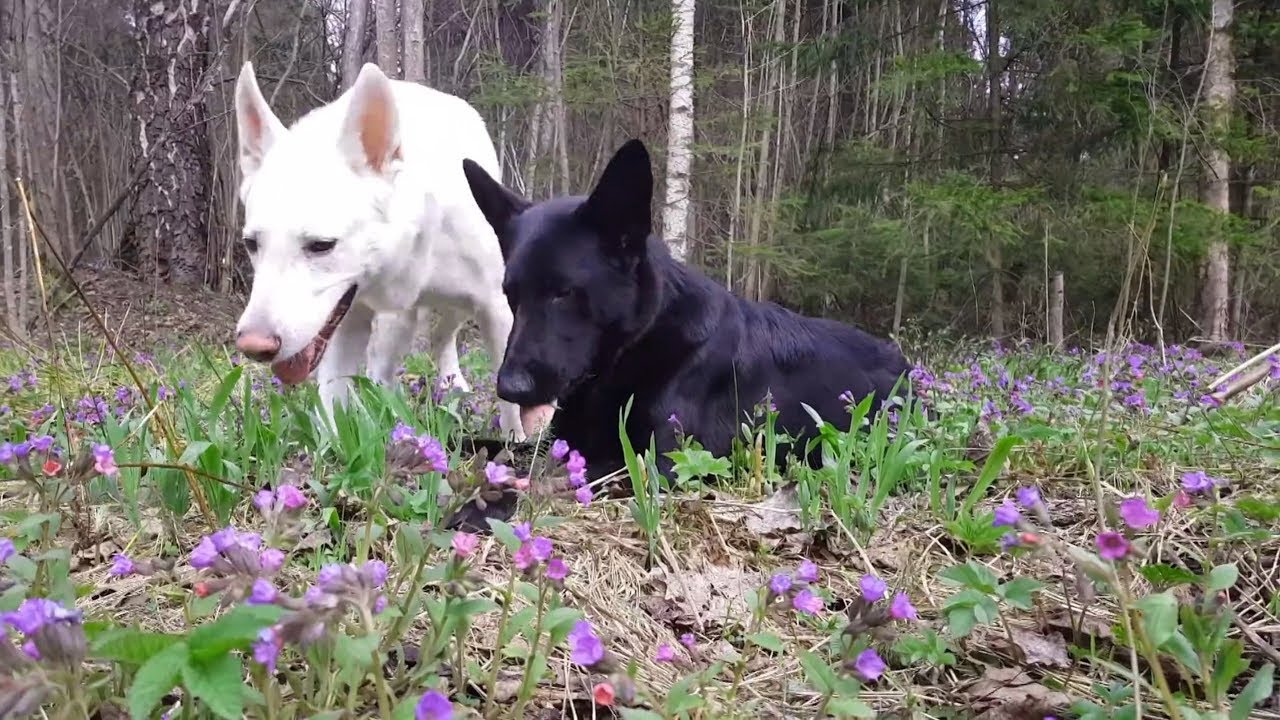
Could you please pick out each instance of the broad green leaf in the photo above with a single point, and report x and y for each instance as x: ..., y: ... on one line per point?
x: 130, y: 645
x: 1159, y: 617
x: 1167, y: 575
x: 233, y: 631
x: 849, y: 707
x: 990, y: 470
x: 971, y: 574
x: 1258, y: 690
x: 218, y: 683
x: 818, y: 672
x: 155, y: 679
x: 961, y: 622
x: 639, y: 714
x: 1223, y: 577
x: 768, y: 641
x: 560, y: 621
x: 1018, y: 592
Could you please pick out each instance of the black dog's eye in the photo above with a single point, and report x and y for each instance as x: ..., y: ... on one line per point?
x: 562, y: 293
x: 251, y: 245
x: 319, y: 247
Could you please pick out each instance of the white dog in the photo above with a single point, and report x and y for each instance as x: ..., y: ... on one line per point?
x: 361, y: 209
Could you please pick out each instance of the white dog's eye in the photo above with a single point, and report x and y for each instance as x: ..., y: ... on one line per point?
x: 320, y: 247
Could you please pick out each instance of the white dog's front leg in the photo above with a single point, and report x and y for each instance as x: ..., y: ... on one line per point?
x: 391, y: 340
x: 444, y: 347
x: 341, y: 360
x: 495, y: 319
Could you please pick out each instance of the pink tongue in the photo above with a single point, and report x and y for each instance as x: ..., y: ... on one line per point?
x: 296, y: 369
x: 536, y: 419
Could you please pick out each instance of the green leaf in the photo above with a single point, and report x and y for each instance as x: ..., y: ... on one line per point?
x: 680, y: 697
x: 155, y: 679
x: 768, y: 641
x: 354, y: 654
x: 1018, y: 592
x: 818, y: 672
x: 849, y: 707
x: 972, y: 575
x: 1178, y: 646
x: 505, y: 533
x: 1159, y: 617
x: 218, y: 682
x: 1223, y: 577
x: 1167, y: 575
x: 193, y: 451
x: 990, y: 469
x: 132, y: 646
x: 560, y: 621
x: 233, y: 631
x: 961, y: 621
x: 1258, y: 689
x: 222, y: 395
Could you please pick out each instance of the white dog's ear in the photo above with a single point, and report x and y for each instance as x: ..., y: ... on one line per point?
x: 256, y: 126
x: 371, y: 133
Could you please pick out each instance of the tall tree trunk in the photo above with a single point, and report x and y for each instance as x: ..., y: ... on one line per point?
x: 387, y: 38
x: 414, y: 62
x: 1219, y: 93
x: 35, y: 34
x: 551, y: 41
x: 353, y: 41
x: 171, y: 209
x: 7, y: 244
x: 995, y: 73
x: 675, y: 213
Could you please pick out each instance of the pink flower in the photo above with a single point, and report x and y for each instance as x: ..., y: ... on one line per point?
x: 869, y: 665
x: 497, y: 474
x: 688, y: 640
x: 665, y: 654
x: 807, y: 572
x: 873, y: 588
x: 1112, y: 545
x: 291, y: 497
x: 583, y: 495
x: 104, y: 460
x: 557, y: 569
x: 465, y: 543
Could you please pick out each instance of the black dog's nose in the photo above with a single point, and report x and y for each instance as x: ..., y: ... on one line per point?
x: 516, y: 386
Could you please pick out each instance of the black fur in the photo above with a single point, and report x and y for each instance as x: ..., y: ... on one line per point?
x: 603, y: 312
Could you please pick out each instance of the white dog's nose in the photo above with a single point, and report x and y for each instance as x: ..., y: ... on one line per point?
x: 257, y: 345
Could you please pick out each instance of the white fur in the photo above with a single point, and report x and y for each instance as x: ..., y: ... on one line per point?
x: 379, y: 170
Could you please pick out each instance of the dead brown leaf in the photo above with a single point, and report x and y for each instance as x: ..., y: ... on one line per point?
x: 1012, y: 694
x: 1047, y: 649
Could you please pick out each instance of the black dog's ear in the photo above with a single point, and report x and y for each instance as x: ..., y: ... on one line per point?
x: 498, y: 203
x: 619, y: 206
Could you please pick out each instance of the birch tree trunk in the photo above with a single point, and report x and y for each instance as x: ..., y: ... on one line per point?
x: 38, y: 124
x: 675, y: 212
x: 171, y: 210
x: 353, y: 41
x: 387, y: 39
x: 1219, y: 91
x: 414, y: 62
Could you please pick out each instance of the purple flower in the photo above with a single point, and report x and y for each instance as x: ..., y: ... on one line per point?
x: 329, y: 579
x: 1198, y: 482
x: 868, y: 665
x: 266, y: 649
x: 496, y: 473
x: 263, y: 592
x: 375, y: 572
x: 7, y: 454
x: 583, y: 495
x: 807, y: 572
x: 7, y: 550
x: 264, y: 499
x: 1028, y: 497
x: 379, y: 604
x: 586, y: 649
x: 204, y: 554
x: 271, y: 560
x: 31, y: 650
x: 433, y: 706
x: 807, y: 602
x: 779, y: 584
x: 1137, y: 514
x: 104, y: 460
x: 1007, y: 514
x: 1112, y: 545
x: 34, y: 613
x: 1009, y: 541
x: 401, y: 432
x: 523, y: 557
x: 557, y: 569
x: 291, y: 497
x: 665, y: 654
x: 42, y: 443
x: 523, y: 532
x: 901, y: 608
x: 577, y: 467
x: 121, y: 565
x: 559, y: 449
x: 873, y: 588
x: 434, y: 453
x: 688, y: 640
x: 541, y: 548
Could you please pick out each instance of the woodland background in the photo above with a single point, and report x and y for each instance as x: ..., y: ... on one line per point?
x: 1047, y: 169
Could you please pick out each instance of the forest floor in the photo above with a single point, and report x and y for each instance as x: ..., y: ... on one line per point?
x: 1139, y: 578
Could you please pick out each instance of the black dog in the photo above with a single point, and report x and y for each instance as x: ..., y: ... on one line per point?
x: 604, y: 313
